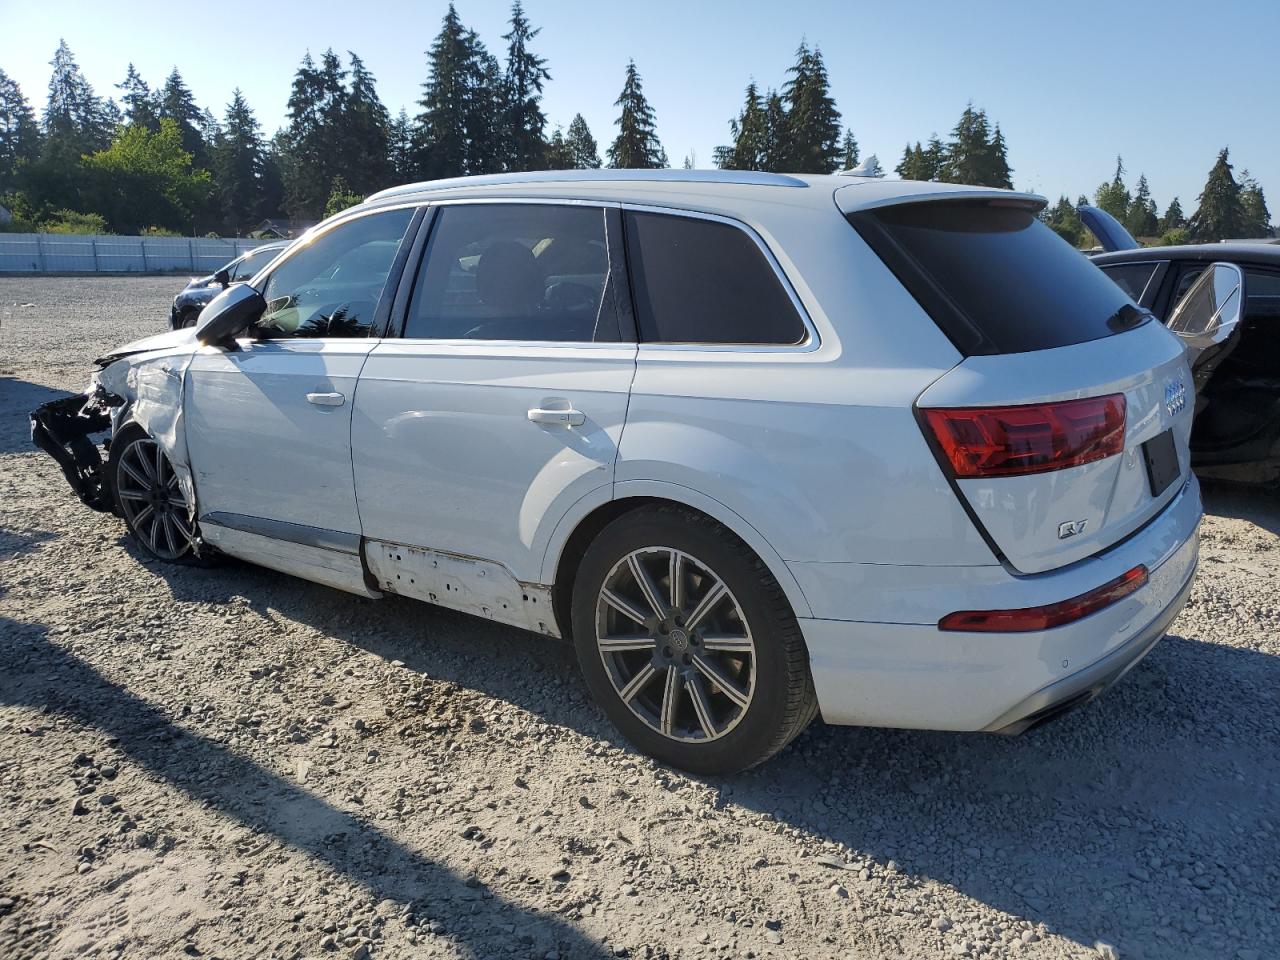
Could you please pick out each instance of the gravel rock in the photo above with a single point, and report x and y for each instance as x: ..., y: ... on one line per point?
x: 233, y: 712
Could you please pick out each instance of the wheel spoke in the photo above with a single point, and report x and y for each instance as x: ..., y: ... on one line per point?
x: 647, y: 586
x: 719, y: 643
x: 721, y: 679
x: 671, y: 700
x: 641, y: 680
x: 142, y: 481
x: 144, y: 463
x: 623, y: 606
x: 714, y: 595
x: 625, y: 644
x: 132, y: 495
x: 701, y: 706
x: 675, y: 574
x: 168, y: 532
x: 159, y: 464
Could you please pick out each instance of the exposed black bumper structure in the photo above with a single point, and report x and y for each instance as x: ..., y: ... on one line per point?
x: 62, y: 429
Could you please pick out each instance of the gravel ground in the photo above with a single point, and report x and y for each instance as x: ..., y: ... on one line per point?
x: 233, y: 763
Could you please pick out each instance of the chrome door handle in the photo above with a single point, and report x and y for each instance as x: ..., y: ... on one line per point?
x: 326, y: 399
x: 557, y: 418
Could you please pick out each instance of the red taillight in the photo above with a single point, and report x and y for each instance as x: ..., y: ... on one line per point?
x: 1033, y: 438
x: 1052, y: 615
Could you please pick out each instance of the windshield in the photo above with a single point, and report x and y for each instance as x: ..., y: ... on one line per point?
x: 993, y: 277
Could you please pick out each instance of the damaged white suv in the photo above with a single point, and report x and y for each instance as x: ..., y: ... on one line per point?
x: 761, y: 445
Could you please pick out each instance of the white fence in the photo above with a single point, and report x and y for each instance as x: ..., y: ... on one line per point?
x: 70, y: 253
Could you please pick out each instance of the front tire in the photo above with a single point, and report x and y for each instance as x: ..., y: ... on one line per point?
x: 149, y: 499
x: 688, y: 643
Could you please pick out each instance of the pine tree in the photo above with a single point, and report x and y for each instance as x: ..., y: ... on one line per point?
x: 637, y: 146
x: 140, y: 104
x: 74, y: 112
x: 557, y: 155
x: 967, y: 156
x: 19, y: 133
x: 749, y: 132
x: 177, y: 104
x: 813, y: 122
x: 400, y: 148
x: 1221, y: 214
x: 848, y: 151
x: 1140, y: 219
x: 1173, y: 218
x: 999, y: 173
x: 1063, y: 219
x: 1257, y: 218
x: 1113, y: 197
x: 456, y: 133
x: 312, y: 148
x: 525, y: 74
x: 583, y: 153
x: 777, y: 132
x: 364, y: 131
x: 238, y: 166
x: 932, y: 159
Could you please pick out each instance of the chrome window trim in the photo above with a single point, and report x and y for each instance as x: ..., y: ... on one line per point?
x: 540, y: 344
x: 811, y: 340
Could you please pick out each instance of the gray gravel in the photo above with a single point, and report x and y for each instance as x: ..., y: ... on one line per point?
x: 233, y: 763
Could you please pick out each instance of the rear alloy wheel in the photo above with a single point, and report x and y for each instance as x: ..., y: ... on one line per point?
x: 675, y: 644
x: 688, y: 643
x: 150, y: 499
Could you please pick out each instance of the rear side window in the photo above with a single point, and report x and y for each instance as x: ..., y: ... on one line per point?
x: 994, y: 278
x: 1132, y: 278
x: 702, y: 281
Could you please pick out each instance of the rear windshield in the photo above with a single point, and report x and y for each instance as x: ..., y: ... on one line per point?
x: 994, y: 278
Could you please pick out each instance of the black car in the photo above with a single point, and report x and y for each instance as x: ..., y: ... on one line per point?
x: 1236, y: 435
x: 193, y: 298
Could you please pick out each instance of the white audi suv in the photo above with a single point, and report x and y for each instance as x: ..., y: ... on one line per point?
x: 761, y: 446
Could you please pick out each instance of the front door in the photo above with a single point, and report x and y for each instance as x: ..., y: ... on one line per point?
x: 503, y: 403
x: 269, y: 424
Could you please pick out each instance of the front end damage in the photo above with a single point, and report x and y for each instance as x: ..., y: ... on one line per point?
x: 64, y: 428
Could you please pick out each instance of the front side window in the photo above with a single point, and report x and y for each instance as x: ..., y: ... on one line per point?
x: 331, y: 286
x: 253, y: 261
x: 1132, y: 278
x: 536, y: 272
x: 703, y: 281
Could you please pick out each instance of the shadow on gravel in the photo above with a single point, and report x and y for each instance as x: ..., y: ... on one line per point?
x: 1146, y: 819
x: 17, y: 399
x: 1258, y: 506
x: 41, y: 675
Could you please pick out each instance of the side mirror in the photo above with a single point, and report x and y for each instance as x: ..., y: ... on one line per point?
x: 223, y: 278
x: 228, y: 314
x: 1210, y: 311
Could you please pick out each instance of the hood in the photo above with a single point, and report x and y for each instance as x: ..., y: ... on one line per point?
x: 186, y: 337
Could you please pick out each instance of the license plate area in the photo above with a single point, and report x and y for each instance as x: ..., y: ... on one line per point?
x: 1161, y: 457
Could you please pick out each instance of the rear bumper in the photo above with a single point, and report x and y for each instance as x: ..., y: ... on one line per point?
x: 910, y: 674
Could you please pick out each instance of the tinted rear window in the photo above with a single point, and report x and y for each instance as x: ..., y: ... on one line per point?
x: 994, y: 278
x: 702, y: 281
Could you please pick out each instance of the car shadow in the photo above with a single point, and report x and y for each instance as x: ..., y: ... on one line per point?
x: 17, y: 399
x: 46, y: 677
x: 1117, y: 822
x: 1258, y: 505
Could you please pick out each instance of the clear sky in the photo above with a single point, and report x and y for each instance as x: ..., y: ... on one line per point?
x: 1165, y: 83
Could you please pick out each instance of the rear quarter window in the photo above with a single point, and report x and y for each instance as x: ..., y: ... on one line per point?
x: 993, y: 277
x: 701, y: 281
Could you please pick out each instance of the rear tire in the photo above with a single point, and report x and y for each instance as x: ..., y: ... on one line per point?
x: 149, y: 499
x: 688, y: 643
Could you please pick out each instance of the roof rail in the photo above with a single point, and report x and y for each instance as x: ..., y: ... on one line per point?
x: 742, y: 177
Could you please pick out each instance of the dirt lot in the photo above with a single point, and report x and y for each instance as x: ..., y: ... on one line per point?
x: 233, y: 763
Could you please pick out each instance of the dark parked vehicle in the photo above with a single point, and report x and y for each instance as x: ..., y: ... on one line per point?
x: 196, y: 295
x: 1236, y: 435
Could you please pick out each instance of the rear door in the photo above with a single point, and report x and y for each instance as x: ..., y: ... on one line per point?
x: 503, y: 402
x: 1066, y: 426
